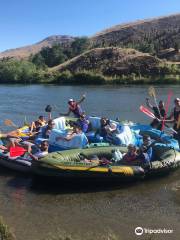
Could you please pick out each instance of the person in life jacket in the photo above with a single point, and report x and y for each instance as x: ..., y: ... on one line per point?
x: 159, y: 113
x: 131, y: 155
x: 84, y: 123
x: 146, y: 150
x: 175, y: 119
x: 36, y: 125
x: 74, y: 107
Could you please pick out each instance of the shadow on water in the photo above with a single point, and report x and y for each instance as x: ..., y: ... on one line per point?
x: 39, y: 185
x: 51, y: 185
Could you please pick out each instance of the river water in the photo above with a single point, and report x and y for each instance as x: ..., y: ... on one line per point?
x: 39, y: 211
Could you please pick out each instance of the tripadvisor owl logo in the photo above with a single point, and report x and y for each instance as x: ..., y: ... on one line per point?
x: 138, y: 231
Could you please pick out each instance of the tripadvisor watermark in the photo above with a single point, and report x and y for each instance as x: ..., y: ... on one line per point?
x: 140, y: 231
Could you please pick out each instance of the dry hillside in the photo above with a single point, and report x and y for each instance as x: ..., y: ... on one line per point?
x: 111, y: 61
x: 24, y: 52
x: 162, y: 32
x: 159, y: 33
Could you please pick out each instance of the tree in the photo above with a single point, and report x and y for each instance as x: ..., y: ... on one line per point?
x: 79, y: 45
x: 49, y: 56
x: 38, y: 60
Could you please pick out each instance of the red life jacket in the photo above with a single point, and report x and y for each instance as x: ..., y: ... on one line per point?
x: 76, y: 109
x: 129, y: 157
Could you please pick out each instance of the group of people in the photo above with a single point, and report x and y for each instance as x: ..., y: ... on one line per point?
x: 141, y: 156
x: 44, y: 127
x: 161, y: 115
x: 108, y: 131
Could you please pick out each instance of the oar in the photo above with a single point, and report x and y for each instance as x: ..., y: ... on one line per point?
x: 26, y: 122
x: 150, y: 114
x: 16, y: 151
x: 166, y: 109
x: 152, y: 93
x: 9, y: 122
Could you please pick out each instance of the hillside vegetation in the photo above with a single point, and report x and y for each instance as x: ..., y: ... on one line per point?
x: 144, y: 51
x: 112, y: 61
x: 147, y: 35
x: 25, y: 52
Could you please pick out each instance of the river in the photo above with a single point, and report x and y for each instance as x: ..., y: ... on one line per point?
x: 41, y: 211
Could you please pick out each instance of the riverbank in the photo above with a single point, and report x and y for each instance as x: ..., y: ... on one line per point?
x: 90, y: 78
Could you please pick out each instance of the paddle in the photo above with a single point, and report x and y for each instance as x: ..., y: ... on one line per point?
x: 10, y: 123
x: 16, y: 151
x: 152, y: 93
x: 166, y: 109
x: 150, y: 114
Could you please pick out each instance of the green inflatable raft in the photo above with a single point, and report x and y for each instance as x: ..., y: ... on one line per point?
x: 68, y: 164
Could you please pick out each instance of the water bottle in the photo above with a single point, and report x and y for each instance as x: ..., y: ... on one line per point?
x: 117, y: 155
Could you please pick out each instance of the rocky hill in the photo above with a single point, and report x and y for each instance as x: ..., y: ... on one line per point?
x: 25, y: 52
x: 152, y: 36
x: 148, y: 35
x: 112, y: 61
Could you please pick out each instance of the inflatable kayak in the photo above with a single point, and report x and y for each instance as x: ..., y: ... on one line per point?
x: 68, y: 164
x: 165, y: 139
x: 20, y: 164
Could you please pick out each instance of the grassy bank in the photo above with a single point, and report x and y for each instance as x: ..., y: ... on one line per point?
x: 90, y: 78
x: 5, y: 232
x: 24, y: 72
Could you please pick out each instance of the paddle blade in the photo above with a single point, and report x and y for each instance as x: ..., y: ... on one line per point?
x: 152, y: 92
x: 146, y: 111
x: 8, y: 122
x: 16, y: 151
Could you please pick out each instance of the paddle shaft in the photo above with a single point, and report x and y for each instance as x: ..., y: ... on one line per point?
x: 166, y: 109
x: 152, y: 92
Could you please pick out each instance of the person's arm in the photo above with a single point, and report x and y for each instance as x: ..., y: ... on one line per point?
x: 33, y: 157
x: 32, y: 127
x: 149, y: 104
x: 82, y: 99
x: 65, y: 114
x: 49, y: 116
x: 170, y: 119
x: 67, y: 138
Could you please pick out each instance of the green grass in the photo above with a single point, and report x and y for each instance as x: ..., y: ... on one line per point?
x: 5, y: 232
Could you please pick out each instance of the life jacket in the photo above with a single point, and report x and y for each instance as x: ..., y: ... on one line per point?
x: 42, y: 123
x: 176, y: 114
x: 83, y: 124
x: 129, y: 157
x: 76, y: 109
x: 176, y: 118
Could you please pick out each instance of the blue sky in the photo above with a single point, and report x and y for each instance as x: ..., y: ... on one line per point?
x: 24, y: 22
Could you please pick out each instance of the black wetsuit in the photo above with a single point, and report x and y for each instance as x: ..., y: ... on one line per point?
x: 175, y: 127
x: 155, y: 123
